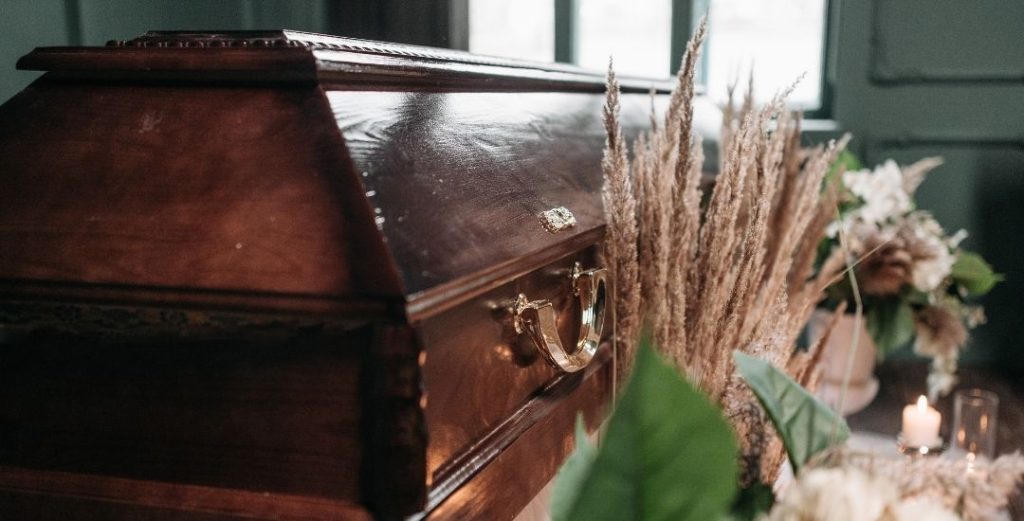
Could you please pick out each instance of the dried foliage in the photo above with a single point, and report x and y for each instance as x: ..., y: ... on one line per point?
x: 621, y: 248
x: 978, y: 490
x: 735, y: 274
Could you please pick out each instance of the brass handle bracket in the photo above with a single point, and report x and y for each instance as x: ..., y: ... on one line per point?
x: 538, y: 320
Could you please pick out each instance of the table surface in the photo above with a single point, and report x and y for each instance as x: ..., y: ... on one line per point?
x: 903, y: 381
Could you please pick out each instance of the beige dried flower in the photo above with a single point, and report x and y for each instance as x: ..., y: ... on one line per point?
x: 887, y: 266
x: 978, y: 490
x: 621, y: 247
x: 940, y: 331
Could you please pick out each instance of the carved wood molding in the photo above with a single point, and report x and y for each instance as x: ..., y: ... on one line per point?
x: 295, y: 56
x: 132, y: 323
x: 32, y: 292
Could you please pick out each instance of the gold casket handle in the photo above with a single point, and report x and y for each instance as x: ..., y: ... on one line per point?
x: 537, y: 319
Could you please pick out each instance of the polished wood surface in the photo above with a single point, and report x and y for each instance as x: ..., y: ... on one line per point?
x: 300, y: 57
x: 278, y: 412
x: 902, y: 382
x: 457, y: 180
x: 44, y: 495
x: 524, y: 464
x: 477, y: 374
x: 205, y: 188
x: 276, y: 263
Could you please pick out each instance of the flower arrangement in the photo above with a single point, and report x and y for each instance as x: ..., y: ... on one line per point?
x: 716, y: 395
x: 914, y: 279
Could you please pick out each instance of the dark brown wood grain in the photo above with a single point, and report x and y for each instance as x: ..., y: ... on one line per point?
x: 279, y: 413
x: 36, y: 495
x: 476, y: 373
x: 299, y: 57
x: 262, y: 275
x: 200, y: 188
x: 520, y: 470
x: 902, y: 382
x: 457, y: 180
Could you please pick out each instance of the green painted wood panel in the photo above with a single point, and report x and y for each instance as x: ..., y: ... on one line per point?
x: 916, y: 78
x: 25, y: 24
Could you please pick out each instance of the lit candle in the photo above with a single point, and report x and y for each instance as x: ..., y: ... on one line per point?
x: 921, y: 424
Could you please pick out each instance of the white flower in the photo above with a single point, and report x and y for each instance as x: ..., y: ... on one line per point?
x: 882, y: 191
x: 919, y: 510
x: 933, y: 259
x: 851, y: 494
x: 835, y: 494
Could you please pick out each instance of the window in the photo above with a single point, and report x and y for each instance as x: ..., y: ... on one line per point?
x: 513, y: 28
x: 790, y: 41
x: 779, y: 40
x: 637, y: 34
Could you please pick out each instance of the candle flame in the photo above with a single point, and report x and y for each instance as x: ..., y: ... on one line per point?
x: 922, y: 403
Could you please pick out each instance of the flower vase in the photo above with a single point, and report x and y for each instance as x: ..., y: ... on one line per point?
x: 863, y: 386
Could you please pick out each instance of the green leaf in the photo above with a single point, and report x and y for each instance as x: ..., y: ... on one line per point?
x: 974, y: 274
x: 848, y: 161
x: 574, y: 471
x: 805, y: 424
x: 891, y: 324
x: 667, y: 454
x: 752, y: 502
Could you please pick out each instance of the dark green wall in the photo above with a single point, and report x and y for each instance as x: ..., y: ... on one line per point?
x: 917, y: 78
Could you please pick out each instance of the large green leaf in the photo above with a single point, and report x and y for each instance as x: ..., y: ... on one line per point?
x: 890, y: 322
x: 752, y: 503
x: 974, y: 274
x: 805, y: 424
x: 667, y: 454
x: 847, y: 161
x: 574, y: 471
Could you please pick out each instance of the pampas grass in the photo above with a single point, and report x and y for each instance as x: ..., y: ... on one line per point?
x: 735, y: 274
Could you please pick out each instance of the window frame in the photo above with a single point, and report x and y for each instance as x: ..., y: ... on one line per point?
x: 684, y: 19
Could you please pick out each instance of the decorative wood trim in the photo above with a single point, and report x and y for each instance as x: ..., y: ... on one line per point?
x: 294, y: 56
x: 882, y: 72
x: 194, y: 299
x: 87, y: 488
x: 394, y: 429
x: 460, y: 470
x: 443, y: 297
x: 134, y: 323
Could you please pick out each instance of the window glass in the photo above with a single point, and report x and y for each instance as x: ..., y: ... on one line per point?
x: 637, y: 34
x: 778, y: 39
x: 513, y: 28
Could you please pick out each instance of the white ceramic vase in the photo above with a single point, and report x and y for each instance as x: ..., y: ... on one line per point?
x: 863, y: 385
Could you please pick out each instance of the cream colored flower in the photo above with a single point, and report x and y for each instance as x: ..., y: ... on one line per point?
x: 848, y: 493
x: 930, y: 249
x: 882, y: 192
x: 919, y: 510
x: 835, y: 494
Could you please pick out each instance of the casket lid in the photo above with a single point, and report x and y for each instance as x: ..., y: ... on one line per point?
x: 435, y: 167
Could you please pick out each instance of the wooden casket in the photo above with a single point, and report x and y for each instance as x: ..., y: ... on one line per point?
x: 278, y: 275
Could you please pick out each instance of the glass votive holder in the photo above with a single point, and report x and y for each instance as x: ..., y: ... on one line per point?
x: 975, y: 417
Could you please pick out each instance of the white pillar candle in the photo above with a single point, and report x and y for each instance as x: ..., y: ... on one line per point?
x: 921, y: 424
